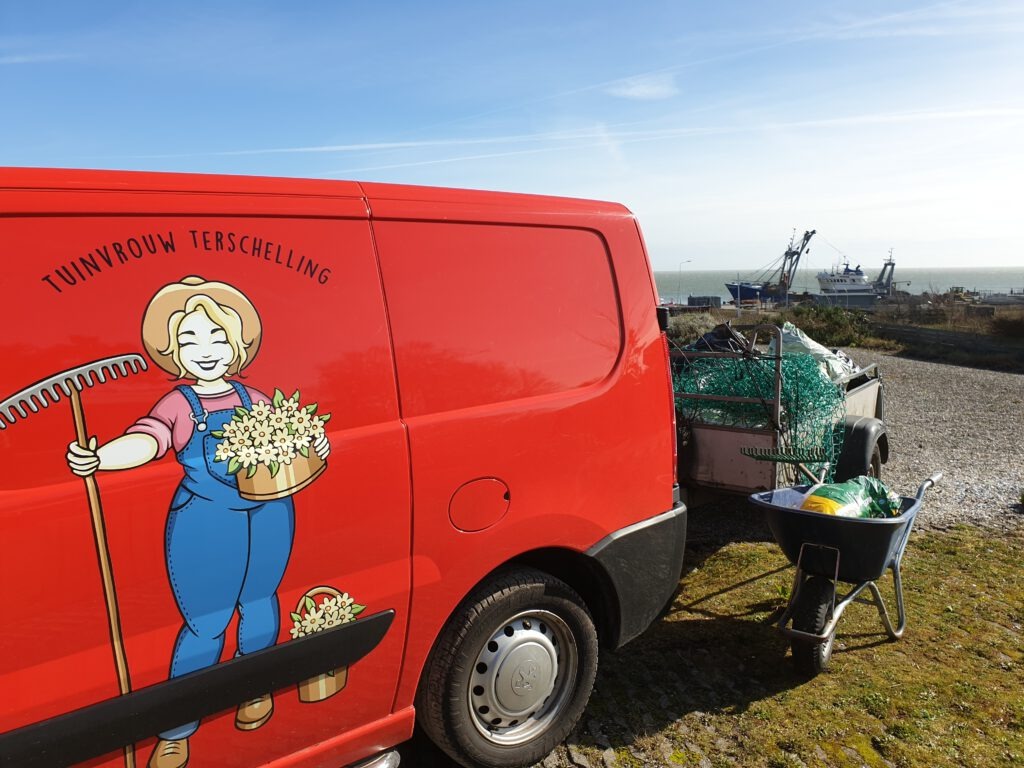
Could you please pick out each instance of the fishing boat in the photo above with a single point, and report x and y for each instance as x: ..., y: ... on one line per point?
x: 851, y: 288
x: 845, y: 281
x: 776, y: 280
x: 854, y: 280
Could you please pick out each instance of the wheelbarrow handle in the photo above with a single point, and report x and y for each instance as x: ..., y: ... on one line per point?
x: 928, y: 484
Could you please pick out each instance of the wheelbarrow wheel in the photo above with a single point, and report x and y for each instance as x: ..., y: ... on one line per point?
x: 817, y: 596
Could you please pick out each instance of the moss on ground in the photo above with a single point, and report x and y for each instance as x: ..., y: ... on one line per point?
x: 712, y: 684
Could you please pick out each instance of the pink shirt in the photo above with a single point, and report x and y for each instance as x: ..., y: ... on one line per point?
x: 169, y: 423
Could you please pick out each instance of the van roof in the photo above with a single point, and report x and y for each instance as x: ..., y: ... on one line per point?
x: 153, y: 181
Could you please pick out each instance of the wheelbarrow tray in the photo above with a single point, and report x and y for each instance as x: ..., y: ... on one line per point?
x: 866, y: 546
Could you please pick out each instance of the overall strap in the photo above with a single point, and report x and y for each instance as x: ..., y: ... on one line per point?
x: 199, y: 413
x: 243, y: 395
x: 193, y: 400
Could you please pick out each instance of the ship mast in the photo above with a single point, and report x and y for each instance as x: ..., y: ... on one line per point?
x: 791, y: 259
x: 884, y: 282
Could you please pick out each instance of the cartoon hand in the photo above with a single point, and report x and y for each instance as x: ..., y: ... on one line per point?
x: 322, y: 446
x: 83, y: 461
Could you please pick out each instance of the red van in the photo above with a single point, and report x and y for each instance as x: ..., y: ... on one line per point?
x: 288, y: 464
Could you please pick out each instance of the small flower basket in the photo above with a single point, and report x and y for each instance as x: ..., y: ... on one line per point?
x: 269, y: 448
x: 319, y: 609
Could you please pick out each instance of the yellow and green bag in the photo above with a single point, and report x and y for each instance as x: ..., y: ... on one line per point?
x: 860, y: 497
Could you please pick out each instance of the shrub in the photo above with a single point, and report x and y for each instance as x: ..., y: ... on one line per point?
x: 1009, y: 326
x: 831, y: 326
x: 688, y: 327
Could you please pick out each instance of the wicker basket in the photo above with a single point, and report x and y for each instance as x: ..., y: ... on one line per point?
x: 326, y: 685
x: 291, y: 478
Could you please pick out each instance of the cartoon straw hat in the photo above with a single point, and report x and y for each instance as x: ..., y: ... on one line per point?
x: 173, y: 297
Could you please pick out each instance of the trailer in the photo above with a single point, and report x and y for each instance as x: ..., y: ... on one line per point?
x: 752, y: 457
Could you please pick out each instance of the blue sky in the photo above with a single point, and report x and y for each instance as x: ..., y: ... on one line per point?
x: 723, y: 126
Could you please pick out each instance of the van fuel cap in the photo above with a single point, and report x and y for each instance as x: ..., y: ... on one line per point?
x: 479, y: 504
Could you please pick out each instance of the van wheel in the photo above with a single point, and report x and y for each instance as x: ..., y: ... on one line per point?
x: 511, y: 672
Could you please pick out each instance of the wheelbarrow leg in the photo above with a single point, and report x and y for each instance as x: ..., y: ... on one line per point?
x: 883, y: 613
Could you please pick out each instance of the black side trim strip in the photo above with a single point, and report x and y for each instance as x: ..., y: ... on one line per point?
x: 109, y: 725
x: 644, y: 562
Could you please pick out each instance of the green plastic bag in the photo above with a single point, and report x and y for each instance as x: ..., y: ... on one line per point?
x: 860, y: 497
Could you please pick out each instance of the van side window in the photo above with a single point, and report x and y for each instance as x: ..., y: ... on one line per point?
x: 485, y: 313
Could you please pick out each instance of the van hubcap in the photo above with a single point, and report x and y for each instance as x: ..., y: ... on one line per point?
x: 522, y: 677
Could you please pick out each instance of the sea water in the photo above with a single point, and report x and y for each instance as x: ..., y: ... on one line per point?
x: 678, y: 285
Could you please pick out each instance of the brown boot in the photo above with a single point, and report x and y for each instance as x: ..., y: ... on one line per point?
x: 169, y: 753
x: 254, y: 713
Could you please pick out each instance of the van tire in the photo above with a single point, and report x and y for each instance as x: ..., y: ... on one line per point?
x: 537, y: 631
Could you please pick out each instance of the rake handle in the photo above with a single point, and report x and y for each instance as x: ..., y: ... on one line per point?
x: 99, y: 532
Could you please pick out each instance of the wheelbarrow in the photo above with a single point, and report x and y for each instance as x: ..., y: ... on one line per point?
x: 827, y: 550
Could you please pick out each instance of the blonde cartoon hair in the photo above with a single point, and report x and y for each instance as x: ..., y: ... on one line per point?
x: 221, y: 316
x: 223, y: 304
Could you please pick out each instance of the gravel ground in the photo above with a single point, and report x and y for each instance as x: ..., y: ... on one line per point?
x: 966, y: 423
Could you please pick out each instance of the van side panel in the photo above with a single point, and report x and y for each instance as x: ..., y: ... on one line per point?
x: 79, y: 270
x: 580, y: 436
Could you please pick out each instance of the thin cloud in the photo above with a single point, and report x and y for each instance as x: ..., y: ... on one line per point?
x: 947, y: 19
x: 34, y: 58
x: 605, y: 135
x: 653, y: 87
x: 567, y: 135
x: 614, y: 139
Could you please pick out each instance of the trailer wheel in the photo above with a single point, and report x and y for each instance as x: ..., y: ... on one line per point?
x: 511, y: 672
x: 862, y: 449
x: 817, y: 596
x: 875, y: 465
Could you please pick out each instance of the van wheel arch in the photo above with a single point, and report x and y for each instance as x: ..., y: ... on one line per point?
x: 586, y: 576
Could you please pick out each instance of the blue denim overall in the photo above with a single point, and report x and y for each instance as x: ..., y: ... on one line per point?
x: 223, y: 553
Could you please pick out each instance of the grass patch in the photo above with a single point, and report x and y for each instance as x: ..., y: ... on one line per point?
x: 713, y: 678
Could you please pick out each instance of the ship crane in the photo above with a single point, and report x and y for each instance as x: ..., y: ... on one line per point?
x: 773, y: 284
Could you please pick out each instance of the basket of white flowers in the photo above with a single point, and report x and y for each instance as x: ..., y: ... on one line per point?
x: 269, y: 448
x: 322, y: 608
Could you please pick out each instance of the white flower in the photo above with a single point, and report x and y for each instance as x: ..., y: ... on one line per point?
x: 246, y: 424
x: 262, y: 411
x: 330, y: 604
x: 297, y: 631
x: 247, y: 456
x: 345, y: 612
x: 278, y: 419
x: 285, y: 454
x: 301, y: 422
x: 266, y: 454
x: 261, y: 434
x: 223, y: 452
x: 313, y: 621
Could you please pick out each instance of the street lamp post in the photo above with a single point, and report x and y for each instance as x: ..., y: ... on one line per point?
x: 679, y: 297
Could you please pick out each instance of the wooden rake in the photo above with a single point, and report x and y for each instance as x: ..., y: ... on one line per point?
x: 70, y: 384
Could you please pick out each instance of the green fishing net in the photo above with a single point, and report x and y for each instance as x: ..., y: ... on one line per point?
x: 812, y: 406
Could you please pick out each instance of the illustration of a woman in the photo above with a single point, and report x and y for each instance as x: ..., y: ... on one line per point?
x: 224, y: 553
